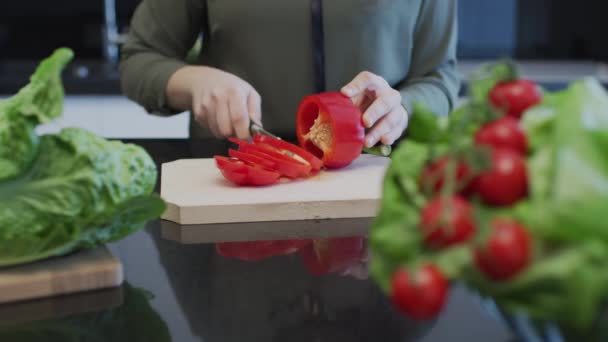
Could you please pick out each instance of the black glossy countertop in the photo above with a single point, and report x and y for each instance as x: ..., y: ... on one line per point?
x: 194, y: 294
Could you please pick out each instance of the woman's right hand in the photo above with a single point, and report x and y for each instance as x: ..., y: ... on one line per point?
x: 220, y: 101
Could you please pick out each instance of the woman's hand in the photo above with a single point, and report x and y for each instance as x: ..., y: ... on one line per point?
x: 220, y: 101
x: 381, y: 107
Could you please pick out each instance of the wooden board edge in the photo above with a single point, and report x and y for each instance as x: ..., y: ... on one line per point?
x: 254, y: 231
x: 112, y: 270
x: 290, y: 211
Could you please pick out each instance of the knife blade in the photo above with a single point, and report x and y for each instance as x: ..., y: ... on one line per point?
x: 257, y: 129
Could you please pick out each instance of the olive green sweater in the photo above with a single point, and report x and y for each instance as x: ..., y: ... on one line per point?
x: 268, y: 43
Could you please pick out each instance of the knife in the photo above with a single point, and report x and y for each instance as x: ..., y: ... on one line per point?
x: 257, y: 129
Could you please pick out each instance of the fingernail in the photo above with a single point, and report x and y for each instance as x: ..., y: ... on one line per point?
x: 349, y: 91
x: 367, y: 122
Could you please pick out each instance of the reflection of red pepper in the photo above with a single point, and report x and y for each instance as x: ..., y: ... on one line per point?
x: 332, y: 255
x: 330, y: 126
x: 241, y: 173
x: 258, y: 250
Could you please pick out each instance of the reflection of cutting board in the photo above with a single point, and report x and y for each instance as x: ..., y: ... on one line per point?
x: 197, y: 193
x: 82, y: 271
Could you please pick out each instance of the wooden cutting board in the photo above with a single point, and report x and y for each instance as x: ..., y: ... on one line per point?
x: 82, y: 271
x: 197, y: 193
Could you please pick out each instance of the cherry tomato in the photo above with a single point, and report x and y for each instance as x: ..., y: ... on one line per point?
x: 515, y: 97
x: 447, y: 221
x: 503, y: 133
x: 506, y: 252
x: 421, y: 296
x: 434, y: 176
x: 506, y: 182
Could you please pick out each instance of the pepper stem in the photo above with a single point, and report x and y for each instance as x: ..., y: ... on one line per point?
x: 379, y: 150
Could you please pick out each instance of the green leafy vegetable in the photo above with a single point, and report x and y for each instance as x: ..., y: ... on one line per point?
x: 79, y: 191
x: 567, y: 280
x: 38, y: 102
x: 134, y: 321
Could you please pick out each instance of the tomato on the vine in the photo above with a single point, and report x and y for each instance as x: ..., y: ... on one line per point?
x: 447, y: 221
x: 514, y: 97
x: 503, y: 133
x: 420, y: 296
x: 506, y: 182
x: 434, y: 176
x: 507, y: 251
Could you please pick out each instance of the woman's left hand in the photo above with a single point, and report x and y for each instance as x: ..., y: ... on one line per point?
x: 381, y: 107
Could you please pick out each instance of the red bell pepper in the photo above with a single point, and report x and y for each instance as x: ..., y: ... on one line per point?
x: 330, y: 126
x: 290, y: 149
x: 240, y: 172
x: 258, y: 250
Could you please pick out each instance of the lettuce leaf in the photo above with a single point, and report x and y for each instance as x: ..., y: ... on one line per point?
x: 38, y: 102
x: 70, y: 190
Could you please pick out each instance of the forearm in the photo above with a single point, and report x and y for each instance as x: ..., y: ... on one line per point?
x: 162, y: 32
x: 143, y: 79
x: 437, y: 92
x: 433, y: 80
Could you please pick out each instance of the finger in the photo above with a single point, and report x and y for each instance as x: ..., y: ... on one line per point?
x: 212, y: 122
x: 239, y: 117
x: 384, y: 126
x: 199, y: 111
x: 365, y: 81
x: 223, y: 116
x: 363, y: 101
x: 384, y: 103
x: 394, y: 134
x: 254, y: 106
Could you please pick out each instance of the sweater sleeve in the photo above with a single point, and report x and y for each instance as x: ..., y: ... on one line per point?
x: 433, y: 79
x: 162, y: 32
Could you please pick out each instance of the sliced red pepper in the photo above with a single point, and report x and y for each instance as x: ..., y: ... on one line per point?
x: 330, y: 126
x: 282, y: 145
x: 253, y: 159
x: 242, y: 173
x: 287, y: 166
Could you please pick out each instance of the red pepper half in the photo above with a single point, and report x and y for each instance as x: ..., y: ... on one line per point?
x: 330, y: 126
x: 241, y: 173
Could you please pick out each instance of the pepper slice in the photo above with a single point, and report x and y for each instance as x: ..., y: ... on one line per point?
x: 330, y: 126
x: 290, y: 149
x: 253, y: 159
x: 285, y: 165
x: 240, y: 172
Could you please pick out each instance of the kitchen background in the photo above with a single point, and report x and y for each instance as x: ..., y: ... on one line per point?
x: 555, y: 41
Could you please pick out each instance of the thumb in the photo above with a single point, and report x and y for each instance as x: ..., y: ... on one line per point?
x: 254, y: 107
